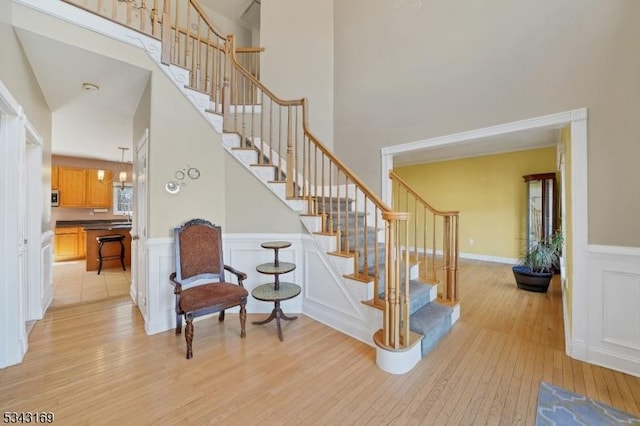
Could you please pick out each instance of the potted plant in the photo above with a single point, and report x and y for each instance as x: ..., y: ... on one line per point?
x: 538, y: 264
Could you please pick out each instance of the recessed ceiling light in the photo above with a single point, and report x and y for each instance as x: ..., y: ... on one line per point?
x: 90, y: 86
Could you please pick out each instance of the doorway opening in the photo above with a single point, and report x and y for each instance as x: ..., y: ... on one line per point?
x: 506, y: 137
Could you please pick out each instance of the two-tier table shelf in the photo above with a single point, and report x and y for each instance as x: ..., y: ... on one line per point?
x: 276, y: 291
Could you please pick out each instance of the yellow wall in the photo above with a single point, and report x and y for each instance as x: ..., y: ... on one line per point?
x: 489, y: 193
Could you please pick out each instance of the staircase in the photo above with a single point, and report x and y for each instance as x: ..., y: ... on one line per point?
x: 390, y: 254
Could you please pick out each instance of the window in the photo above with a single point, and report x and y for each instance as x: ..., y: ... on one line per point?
x: 122, y: 199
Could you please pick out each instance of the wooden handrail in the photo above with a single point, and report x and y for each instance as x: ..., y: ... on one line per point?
x: 394, y: 176
x: 249, y: 49
x: 255, y: 81
x: 205, y: 18
x: 376, y: 200
x: 448, y: 291
x: 279, y: 131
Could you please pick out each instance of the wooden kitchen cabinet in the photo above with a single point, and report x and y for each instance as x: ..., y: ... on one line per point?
x: 99, y: 193
x: 67, y: 243
x: 72, y: 186
x: 82, y: 242
x: 81, y: 188
x: 54, y: 177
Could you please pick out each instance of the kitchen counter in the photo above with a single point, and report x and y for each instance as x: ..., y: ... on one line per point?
x: 99, y: 229
x: 94, y: 224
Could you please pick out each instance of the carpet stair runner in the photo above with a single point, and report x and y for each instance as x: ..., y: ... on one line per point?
x: 427, y: 317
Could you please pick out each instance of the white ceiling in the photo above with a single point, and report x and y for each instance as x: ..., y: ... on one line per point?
x: 91, y: 124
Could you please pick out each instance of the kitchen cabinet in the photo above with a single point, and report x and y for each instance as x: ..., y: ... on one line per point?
x: 99, y: 193
x: 82, y: 242
x: 67, y: 243
x: 81, y: 188
x: 54, y: 177
x: 71, y: 183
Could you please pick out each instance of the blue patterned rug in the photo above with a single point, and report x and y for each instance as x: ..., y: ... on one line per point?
x: 557, y: 406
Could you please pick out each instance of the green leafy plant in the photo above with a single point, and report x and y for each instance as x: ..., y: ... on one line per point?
x: 544, y: 255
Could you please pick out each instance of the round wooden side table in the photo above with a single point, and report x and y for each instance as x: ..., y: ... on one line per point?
x: 276, y: 291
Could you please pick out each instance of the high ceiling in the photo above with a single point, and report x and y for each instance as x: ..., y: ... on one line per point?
x: 93, y: 124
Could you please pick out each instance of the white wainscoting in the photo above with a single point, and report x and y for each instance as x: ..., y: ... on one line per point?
x: 613, y: 315
x: 46, y: 270
x: 242, y: 251
x: 325, y: 297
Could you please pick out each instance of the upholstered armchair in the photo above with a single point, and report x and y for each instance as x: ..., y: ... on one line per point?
x: 199, y: 280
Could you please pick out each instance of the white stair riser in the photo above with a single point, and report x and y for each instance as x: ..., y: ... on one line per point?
x: 246, y: 156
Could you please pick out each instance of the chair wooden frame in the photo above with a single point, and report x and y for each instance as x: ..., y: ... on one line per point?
x: 199, y: 280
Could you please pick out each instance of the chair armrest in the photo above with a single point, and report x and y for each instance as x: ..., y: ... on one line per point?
x: 176, y: 284
x: 241, y: 275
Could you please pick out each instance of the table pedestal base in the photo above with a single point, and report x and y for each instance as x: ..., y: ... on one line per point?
x: 276, y: 314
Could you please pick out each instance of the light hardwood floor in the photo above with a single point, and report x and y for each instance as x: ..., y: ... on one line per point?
x: 72, y: 283
x: 93, y: 364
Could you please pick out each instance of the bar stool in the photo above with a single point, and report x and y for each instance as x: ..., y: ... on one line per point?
x: 104, y: 239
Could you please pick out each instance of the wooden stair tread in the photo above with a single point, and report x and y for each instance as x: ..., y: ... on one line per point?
x: 325, y: 233
x: 363, y: 278
x: 445, y: 302
x: 342, y: 253
x: 372, y: 303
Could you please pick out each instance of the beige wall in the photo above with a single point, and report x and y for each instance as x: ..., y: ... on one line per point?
x: 298, y: 58
x: 489, y: 193
x: 21, y: 83
x: 407, y: 71
x: 178, y: 134
x: 228, y: 26
x: 247, y: 200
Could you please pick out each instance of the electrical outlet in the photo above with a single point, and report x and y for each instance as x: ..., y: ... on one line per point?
x: 471, y: 242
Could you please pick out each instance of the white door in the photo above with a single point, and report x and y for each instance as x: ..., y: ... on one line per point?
x: 37, y: 270
x: 139, y: 226
x: 23, y: 254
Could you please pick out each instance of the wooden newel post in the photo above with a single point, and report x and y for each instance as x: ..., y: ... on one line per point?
x: 396, y: 301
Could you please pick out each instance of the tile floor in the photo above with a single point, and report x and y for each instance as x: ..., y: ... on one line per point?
x: 72, y: 284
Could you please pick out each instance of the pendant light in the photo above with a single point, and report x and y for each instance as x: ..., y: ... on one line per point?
x: 122, y: 177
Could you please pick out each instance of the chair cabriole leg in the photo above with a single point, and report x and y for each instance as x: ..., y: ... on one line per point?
x: 188, y: 335
x: 243, y: 320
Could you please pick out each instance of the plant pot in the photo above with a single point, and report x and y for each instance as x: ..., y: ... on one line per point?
x: 532, y: 281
